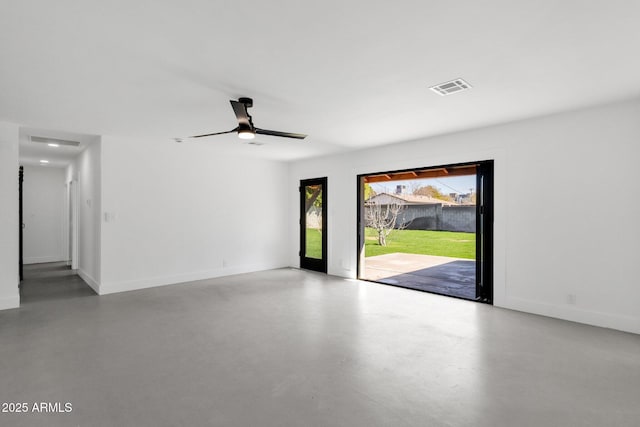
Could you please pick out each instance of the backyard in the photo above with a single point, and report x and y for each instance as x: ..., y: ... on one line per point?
x: 313, y: 247
x: 423, y: 242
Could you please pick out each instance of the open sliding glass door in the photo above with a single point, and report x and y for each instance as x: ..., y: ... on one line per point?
x: 313, y: 224
x: 438, y: 242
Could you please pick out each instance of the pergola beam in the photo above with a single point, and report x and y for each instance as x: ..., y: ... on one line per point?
x: 419, y: 174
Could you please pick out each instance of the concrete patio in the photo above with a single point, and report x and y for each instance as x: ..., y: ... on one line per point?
x: 442, y: 275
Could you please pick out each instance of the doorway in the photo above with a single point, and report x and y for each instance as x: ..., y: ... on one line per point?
x: 49, y: 222
x: 313, y: 224
x: 429, y: 229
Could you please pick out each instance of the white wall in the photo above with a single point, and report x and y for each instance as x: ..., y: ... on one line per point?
x: 566, y: 209
x: 9, y: 295
x: 180, y: 212
x: 87, y: 168
x: 44, y: 202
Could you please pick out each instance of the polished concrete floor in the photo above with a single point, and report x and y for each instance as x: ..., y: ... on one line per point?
x: 49, y: 281
x: 294, y: 348
x: 442, y: 275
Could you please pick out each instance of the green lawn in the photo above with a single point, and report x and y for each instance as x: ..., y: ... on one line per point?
x: 442, y: 243
x: 313, y: 247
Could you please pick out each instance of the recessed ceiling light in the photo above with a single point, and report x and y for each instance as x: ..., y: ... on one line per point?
x: 53, y: 145
x: 44, y: 161
x: 453, y: 86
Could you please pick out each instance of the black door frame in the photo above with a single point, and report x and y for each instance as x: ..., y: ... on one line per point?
x: 305, y: 262
x: 20, y: 223
x: 484, y: 226
x: 484, y: 232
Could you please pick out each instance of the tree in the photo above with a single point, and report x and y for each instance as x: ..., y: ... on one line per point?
x: 383, y: 218
x: 313, y: 206
x: 368, y: 191
x: 414, y: 186
x: 313, y: 197
x: 432, y: 191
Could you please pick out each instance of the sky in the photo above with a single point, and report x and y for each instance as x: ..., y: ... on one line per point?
x: 446, y: 185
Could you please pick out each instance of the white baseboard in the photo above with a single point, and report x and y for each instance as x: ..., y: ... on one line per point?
x: 43, y: 259
x: 574, y: 314
x: 89, y: 281
x: 134, y: 285
x: 7, y: 303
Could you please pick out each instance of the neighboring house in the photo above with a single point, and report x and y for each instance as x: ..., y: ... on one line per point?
x: 463, y: 199
x: 406, y: 199
x: 428, y: 213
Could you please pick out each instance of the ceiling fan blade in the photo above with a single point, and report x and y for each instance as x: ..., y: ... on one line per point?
x: 282, y: 134
x: 242, y: 115
x: 212, y: 134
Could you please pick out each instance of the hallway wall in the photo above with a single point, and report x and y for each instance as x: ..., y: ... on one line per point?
x: 85, y: 171
x: 9, y: 296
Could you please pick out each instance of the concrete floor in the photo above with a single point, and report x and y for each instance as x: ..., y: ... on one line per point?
x: 439, y: 274
x: 295, y: 348
x: 49, y: 281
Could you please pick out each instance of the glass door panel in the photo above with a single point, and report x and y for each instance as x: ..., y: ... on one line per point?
x: 313, y: 224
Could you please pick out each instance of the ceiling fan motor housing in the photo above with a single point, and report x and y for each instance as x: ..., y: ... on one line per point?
x: 248, y: 102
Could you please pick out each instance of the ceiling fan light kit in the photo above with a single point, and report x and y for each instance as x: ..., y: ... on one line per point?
x: 246, y: 134
x: 246, y: 129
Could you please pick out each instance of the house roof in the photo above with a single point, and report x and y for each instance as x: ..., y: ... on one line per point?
x: 413, y: 199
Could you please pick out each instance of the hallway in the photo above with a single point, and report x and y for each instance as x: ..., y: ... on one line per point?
x: 51, y: 281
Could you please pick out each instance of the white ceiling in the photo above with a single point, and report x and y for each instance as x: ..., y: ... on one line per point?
x: 32, y: 152
x: 351, y: 74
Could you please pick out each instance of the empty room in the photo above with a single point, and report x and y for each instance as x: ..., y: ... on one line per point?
x: 319, y: 213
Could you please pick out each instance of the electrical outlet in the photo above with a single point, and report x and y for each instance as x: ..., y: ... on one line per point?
x: 109, y: 216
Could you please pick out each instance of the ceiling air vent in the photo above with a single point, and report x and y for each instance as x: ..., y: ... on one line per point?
x: 450, y: 87
x: 44, y: 140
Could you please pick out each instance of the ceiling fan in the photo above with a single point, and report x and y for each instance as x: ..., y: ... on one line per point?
x: 246, y: 129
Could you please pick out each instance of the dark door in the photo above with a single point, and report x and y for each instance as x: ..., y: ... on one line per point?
x: 484, y: 232
x: 20, y: 224
x: 313, y: 224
